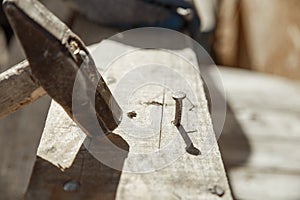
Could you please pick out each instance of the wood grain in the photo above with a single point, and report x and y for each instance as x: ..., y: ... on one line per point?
x: 260, y: 147
x: 172, y: 173
x: 18, y: 88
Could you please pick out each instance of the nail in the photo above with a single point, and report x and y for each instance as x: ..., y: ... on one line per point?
x: 178, y: 96
x: 217, y: 190
x: 71, y: 186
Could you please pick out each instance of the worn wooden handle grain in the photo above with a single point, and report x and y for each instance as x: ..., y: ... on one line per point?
x: 18, y: 88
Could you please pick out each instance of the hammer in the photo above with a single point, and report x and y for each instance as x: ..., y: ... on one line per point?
x: 57, y: 61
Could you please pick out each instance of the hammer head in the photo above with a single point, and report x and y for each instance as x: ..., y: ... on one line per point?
x: 60, y: 60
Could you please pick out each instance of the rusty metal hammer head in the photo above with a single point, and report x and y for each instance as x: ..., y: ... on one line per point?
x: 58, y: 59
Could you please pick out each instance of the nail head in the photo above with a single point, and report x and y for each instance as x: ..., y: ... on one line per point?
x: 217, y: 190
x: 178, y: 95
x: 71, y: 186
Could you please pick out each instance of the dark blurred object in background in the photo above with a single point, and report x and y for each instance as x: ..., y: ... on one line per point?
x: 133, y: 13
x: 5, y: 25
x: 5, y: 36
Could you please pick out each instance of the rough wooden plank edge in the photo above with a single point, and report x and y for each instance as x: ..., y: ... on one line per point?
x: 18, y: 88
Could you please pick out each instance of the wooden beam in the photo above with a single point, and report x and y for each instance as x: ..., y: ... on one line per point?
x: 18, y: 88
x: 184, y: 175
x: 261, y: 134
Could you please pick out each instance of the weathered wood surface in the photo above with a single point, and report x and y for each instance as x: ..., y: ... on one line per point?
x: 260, y: 141
x: 186, y: 177
x: 20, y: 133
x: 18, y: 88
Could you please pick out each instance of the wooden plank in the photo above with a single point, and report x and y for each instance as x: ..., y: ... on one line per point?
x: 20, y: 134
x: 18, y: 88
x: 261, y: 140
x: 184, y: 175
x: 57, y: 129
x: 251, y: 183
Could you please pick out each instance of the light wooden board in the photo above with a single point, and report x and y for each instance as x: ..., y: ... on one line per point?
x: 260, y: 143
x: 18, y: 88
x: 252, y: 183
x: 183, y: 176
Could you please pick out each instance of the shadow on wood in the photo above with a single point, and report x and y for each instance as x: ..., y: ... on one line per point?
x: 95, y: 180
x: 190, y: 148
x: 233, y: 143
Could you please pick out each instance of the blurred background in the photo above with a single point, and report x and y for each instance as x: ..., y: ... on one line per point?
x: 255, y: 43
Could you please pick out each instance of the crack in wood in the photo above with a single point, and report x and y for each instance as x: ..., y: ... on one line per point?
x: 161, y: 119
